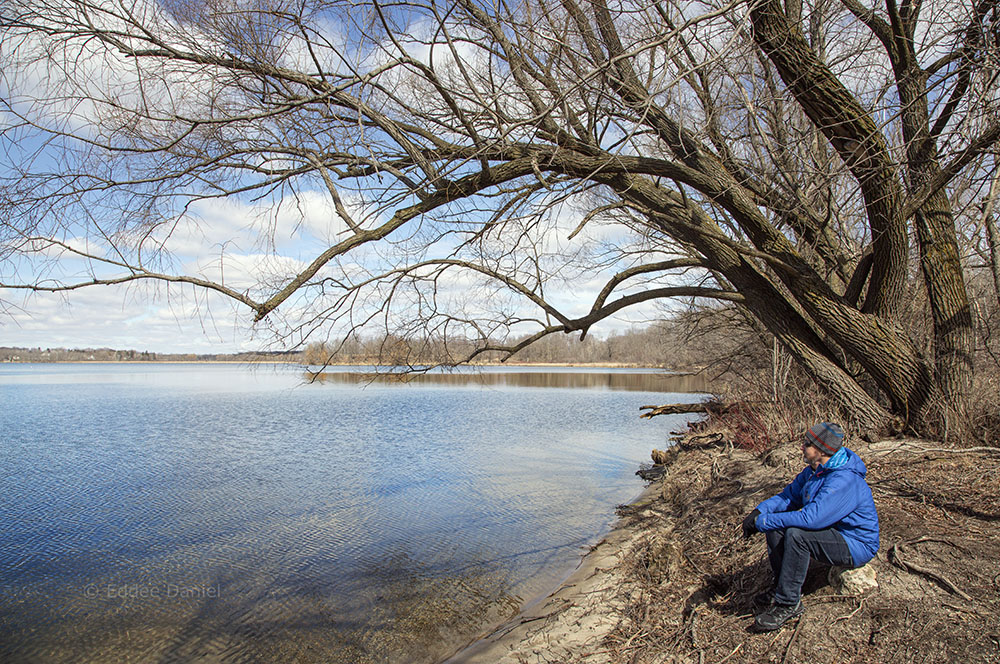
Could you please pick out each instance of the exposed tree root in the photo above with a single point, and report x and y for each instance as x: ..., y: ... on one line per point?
x: 896, y: 556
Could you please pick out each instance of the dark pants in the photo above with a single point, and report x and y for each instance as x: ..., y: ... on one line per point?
x: 789, y: 551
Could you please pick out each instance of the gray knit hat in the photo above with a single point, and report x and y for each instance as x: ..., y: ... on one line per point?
x: 827, y: 437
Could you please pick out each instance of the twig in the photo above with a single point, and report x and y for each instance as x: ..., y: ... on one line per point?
x: 691, y: 562
x: 628, y: 643
x: 945, y: 450
x: 788, y: 648
x: 960, y: 608
x: 730, y: 654
x: 524, y: 621
x: 678, y: 408
x: 852, y: 613
x: 963, y: 450
x: 770, y: 645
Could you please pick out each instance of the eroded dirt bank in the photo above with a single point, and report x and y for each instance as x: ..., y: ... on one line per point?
x: 673, y: 582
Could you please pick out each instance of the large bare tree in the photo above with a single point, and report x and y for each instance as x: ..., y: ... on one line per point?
x: 483, y: 161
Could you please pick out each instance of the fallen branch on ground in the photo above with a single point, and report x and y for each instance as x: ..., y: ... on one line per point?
x: 943, y: 450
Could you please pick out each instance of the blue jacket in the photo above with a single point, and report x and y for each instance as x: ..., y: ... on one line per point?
x: 834, y: 495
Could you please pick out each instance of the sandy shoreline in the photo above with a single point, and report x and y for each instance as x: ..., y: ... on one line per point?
x: 573, y: 618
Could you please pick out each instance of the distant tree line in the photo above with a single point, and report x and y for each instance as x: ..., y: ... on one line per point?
x: 38, y: 354
x: 13, y: 354
x: 656, y: 345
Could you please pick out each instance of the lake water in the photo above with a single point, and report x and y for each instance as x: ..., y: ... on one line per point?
x: 221, y: 513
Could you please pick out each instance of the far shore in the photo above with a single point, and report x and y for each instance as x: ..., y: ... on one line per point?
x: 268, y: 360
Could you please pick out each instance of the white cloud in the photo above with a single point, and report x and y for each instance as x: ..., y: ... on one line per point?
x: 140, y: 317
x: 248, y: 247
x: 301, y: 225
x: 250, y: 271
x: 329, y: 46
x: 71, y: 81
x: 66, y: 247
x: 940, y: 35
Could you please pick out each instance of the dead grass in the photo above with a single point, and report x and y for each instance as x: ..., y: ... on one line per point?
x: 691, y: 576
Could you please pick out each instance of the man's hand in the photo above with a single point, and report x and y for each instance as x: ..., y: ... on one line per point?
x: 750, y: 525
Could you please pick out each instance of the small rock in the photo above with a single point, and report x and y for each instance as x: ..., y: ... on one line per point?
x: 664, y: 456
x: 853, y: 580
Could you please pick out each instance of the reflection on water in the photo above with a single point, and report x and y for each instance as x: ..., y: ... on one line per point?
x: 176, y: 514
x: 645, y: 381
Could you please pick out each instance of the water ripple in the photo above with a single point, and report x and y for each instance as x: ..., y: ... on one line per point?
x: 213, y: 514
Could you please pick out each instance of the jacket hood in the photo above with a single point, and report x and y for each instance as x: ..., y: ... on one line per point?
x: 845, y: 459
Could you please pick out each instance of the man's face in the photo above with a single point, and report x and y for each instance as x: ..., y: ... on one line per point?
x: 813, y: 457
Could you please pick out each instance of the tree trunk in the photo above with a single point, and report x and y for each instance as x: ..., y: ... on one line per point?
x: 878, y: 344
x: 764, y: 300
x: 992, y: 236
x: 940, y: 260
x: 834, y: 111
x: 871, y: 337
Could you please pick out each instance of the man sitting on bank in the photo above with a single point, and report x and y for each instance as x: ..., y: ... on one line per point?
x: 826, y: 513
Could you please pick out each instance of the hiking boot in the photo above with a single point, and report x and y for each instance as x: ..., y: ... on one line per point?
x: 763, y: 600
x: 777, y: 615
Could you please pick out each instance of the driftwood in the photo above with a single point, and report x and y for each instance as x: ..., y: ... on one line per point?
x: 710, y: 407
